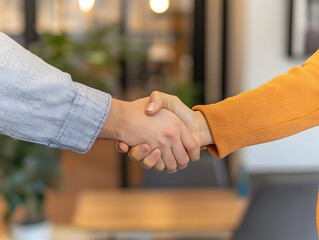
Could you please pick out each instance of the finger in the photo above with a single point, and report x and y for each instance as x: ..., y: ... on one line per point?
x: 180, y: 155
x: 150, y: 160
x: 139, y: 152
x: 174, y: 171
x: 169, y: 160
x: 159, y: 166
x: 122, y: 147
x: 190, y: 144
x: 158, y: 100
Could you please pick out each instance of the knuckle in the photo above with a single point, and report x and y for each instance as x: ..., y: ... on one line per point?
x: 169, y: 134
x: 193, y: 146
x: 183, y: 162
x: 154, y: 93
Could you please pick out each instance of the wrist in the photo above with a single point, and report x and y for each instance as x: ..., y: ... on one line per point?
x: 205, y: 136
x: 115, y: 119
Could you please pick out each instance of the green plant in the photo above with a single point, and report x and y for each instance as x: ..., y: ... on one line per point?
x: 27, y: 170
x: 93, y: 58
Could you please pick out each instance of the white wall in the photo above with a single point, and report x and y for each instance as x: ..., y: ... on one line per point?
x: 258, y: 45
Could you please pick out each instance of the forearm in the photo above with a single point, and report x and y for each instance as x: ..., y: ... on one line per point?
x: 204, y: 134
x: 39, y: 103
x: 282, y: 107
x: 112, y: 128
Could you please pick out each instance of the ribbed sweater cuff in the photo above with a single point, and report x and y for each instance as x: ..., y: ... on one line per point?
x: 223, y: 145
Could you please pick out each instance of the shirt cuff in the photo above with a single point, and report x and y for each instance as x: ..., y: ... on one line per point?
x: 85, y: 120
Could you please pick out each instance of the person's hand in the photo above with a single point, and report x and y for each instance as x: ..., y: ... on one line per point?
x: 128, y: 123
x: 194, y: 120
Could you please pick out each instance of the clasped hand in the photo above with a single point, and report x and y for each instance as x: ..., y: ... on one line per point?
x: 160, y: 132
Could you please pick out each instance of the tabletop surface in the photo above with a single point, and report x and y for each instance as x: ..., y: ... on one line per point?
x: 160, y: 210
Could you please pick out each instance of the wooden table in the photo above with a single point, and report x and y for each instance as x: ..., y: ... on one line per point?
x: 160, y: 210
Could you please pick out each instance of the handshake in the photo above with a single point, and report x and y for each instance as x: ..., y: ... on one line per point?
x: 160, y: 131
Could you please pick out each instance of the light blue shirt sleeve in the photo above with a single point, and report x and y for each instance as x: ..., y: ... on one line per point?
x: 41, y: 104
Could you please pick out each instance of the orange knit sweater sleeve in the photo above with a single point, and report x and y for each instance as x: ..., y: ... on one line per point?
x: 286, y: 105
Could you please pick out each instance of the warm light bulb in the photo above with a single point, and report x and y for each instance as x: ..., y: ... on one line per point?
x: 159, y: 6
x: 86, y: 5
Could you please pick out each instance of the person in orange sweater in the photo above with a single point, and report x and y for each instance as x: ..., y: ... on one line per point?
x: 284, y: 106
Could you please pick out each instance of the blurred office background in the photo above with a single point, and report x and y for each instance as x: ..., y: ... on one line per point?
x: 200, y: 50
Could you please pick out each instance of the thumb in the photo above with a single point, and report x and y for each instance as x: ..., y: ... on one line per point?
x: 122, y: 147
x: 159, y: 100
